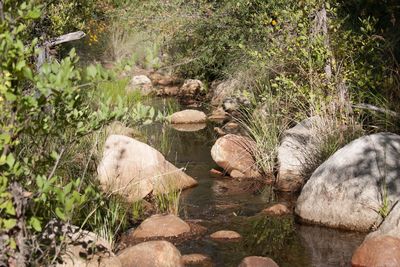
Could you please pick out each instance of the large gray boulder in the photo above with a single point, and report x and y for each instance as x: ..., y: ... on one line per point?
x: 297, y: 145
x: 348, y: 190
x: 134, y: 169
x: 223, y: 90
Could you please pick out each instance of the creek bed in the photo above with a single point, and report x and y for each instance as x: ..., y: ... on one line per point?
x: 220, y: 204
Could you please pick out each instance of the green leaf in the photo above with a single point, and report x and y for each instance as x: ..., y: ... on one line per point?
x: 60, y: 214
x: 9, y: 223
x: 91, y: 71
x: 33, y: 14
x: 35, y: 223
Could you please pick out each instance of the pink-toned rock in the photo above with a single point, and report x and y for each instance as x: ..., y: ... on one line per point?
x: 161, y: 226
x: 168, y: 91
x: 255, y: 261
x: 159, y: 79
x: 226, y: 235
x: 377, y: 251
x: 216, y: 173
x: 151, y: 254
x: 218, y: 115
x: 235, y: 153
x: 277, y: 210
x: 188, y: 116
x: 134, y: 169
x: 196, y: 260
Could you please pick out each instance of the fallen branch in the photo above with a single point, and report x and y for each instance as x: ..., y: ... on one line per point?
x: 376, y: 109
x: 44, y: 50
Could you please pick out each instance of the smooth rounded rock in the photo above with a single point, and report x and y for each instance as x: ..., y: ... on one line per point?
x: 151, y: 254
x: 161, y: 226
x: 187, y: 116
x: 381, y: 251
x: 236, y: 153
x: 196, y: 260
x: 133, y: 169
x: 348, y: 190
x: 255, y: 261
x: 226, y: 235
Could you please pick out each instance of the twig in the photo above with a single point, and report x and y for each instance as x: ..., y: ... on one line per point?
x: 56, y: 164
x: 376, y: 109
x: 2, y: 11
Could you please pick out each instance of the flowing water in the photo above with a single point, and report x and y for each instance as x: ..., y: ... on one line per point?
x: 223, y: 204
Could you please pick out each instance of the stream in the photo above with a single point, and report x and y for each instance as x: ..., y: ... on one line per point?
x: 224, y: 204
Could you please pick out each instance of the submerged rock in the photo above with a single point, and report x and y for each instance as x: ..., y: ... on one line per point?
x: 188, y: 116
x: 255, y: 261
x: 347, y: 190
x: 377, y: 251
x: 235, y: 153
x: 133, y: 169
x: 297, y: 144
x: 151, y: 254
x: 161, y: 226
x: 226, y: 235
x: 197, y: 260
x: 277, y: 210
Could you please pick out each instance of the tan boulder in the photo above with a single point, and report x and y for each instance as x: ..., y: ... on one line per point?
x: 196, y: 260
x: 191, y: 88
x: 377, y: 251
x: 234, y: 153
x: 161, y: 226
x: 134, y: 169
x: 191, y: 116
x: 226, y: 235
x: 277, y: 210
x: 151, y: 254
x: 255, y: 261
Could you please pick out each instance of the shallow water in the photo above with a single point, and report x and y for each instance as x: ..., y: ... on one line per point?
x: 222, y: 204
